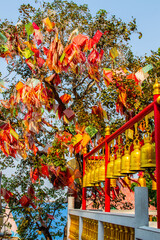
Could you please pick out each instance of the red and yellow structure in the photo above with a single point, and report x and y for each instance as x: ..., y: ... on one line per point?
x: 142, y: 158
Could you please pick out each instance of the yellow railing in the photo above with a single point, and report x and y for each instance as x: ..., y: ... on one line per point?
x: 90, y: 229
x: 74, y: 228
x: 117, y: 232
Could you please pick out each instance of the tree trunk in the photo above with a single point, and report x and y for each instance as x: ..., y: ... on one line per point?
x: 46, y: 233
x: 65, y: 233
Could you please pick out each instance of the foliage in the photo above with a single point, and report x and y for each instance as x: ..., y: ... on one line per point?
x: 41, y: 214
x: 71, y: 72
x: 117, y: 201
x: 152, y: 193
x: 120, y: 203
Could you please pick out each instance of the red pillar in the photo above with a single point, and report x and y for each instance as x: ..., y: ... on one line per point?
x: 157, y: 144
x: 84, y: 189
x: 107, y: 180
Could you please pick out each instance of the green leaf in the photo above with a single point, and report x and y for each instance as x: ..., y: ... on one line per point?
x: 3, y: 38
x: 14, y: 112
x: 29, y: 28
x: 91, y: 131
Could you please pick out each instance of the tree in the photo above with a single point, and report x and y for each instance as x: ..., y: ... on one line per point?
x: 63, y: 59
x: 37, y: 208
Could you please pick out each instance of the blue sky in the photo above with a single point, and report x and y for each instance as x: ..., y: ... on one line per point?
x: 146, y: 12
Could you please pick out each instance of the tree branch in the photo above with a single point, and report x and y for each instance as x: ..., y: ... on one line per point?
x: 53, y: 215
x: 80, y: 82
x: 88, y: 87
x: 38, y: 143
x: 56, y: 95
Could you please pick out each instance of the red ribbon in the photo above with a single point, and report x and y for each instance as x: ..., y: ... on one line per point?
x: 102, y: 189
x: 113, y: 194
x: 153, y: 177
x: 134, y: 181
x: 93, y: 195
x: 116, y: 189
x: 100, y: 194
x: 124, y: 182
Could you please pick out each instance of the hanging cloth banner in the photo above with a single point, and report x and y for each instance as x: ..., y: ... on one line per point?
x: 3, y: 38
x: 147, y: 68
x: 29, y: 29
x: 114, y: 53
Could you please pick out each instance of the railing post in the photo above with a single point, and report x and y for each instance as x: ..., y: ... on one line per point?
x: 84, y: 189
x: 141, y: 206
x: 156, y: 94
x: 80, y: 227
x: 70, y: 206
x: 107, y: 180
x: 100, y: 230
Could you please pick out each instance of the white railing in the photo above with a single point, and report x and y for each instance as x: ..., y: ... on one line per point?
x: 115, y: 226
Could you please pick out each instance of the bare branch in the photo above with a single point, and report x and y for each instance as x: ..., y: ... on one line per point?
x: 79, y: 84
x: 88, y: 87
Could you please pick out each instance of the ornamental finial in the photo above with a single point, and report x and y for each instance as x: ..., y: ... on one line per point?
x: 156, y: 87
x: 107, y: 130
x: 84, y: 150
